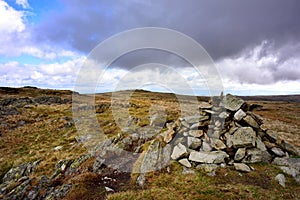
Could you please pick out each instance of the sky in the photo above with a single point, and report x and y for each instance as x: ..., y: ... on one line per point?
x: 255, y: 45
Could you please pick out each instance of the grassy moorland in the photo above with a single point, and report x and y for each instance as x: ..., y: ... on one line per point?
x: 38, y: 129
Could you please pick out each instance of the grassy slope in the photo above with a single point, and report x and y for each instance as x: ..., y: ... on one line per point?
x: 47, y: 127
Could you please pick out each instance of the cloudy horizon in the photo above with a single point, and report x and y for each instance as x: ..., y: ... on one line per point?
x: 255, y: 44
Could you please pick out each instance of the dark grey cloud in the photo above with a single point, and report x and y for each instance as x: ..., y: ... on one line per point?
x: 223, y: 27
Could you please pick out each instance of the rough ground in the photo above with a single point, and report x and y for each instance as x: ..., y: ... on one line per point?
x: 36, y: 127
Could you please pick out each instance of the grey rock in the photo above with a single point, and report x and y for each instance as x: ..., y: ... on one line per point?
x: 206, y: 147
x: 185, y: 162
x: 241, y: 167
x: 194, y: 143
x: 141, y: 180
x: 290, y: 148
x: 232, y: 103
x: 290, y: 171
x: 25, y: 169
x: 195, y: 119
x: 272, y: 135
x: 215, y: 157
x: 198, y: 125
x: 218, y: 144
x: 223, y: 115
x: 259, y: 144
x: 251, y: 122
x: 240, y: 154
x: 280, y: 178
x: 244, y: 137
x: 278, y: 152
x: 196, y: 133
x: 256, y: 155
x: 239, y: 115
x: 156, y: 157
x: 179, y: 151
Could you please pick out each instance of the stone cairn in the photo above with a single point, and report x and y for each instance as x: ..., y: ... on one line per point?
x: 225, y: 132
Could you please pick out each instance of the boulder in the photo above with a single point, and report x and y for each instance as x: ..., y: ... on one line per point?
x: 232, y: 103
x: 179, y: 151
x: 185, y: 162
x: 241, y: 167
x: 194, y: 143
x: 278, y: 152
x: 251, y: 122
x: 215, y: 157
x: 280, y: 178
x: 244, y: 137
x: 255, y: 155
x: 240, y: 154
x: 239, y: 115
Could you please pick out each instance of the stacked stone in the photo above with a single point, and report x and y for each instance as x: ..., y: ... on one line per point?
x: 225, y: 132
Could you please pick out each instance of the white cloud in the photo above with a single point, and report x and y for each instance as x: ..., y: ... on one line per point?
x: 11, y: 20
x: 262, y: 70
x: 23, y: 3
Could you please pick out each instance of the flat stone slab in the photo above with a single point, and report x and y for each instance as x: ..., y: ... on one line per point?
x: 215, y: 157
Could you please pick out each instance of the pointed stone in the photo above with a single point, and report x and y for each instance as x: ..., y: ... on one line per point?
x: 185, y: 162
x: 241, y: 167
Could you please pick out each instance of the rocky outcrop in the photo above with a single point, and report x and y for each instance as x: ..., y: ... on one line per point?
x: 18, y: 184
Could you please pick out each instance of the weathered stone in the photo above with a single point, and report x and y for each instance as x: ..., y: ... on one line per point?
x: 244, y: 137
x: 215, y: 157
x: 25, y: 169
x: 232, y: 103
x: 195, y: 119
x: 193, y: 143
x: 280, y: 178
x: 185, y: 162
x: 218, y: 144
x: 214, y: 134
x: 269, y: 145
x: 278, y: 152
x: 141, y: 180
x: 259, y: 144
x: 179, y: 152
x: 198, y: 125
x: 272, y: 135
x: 168, y: 135
x: 241, y: 167
x: 196, y: 133
x: 204, y: 105
x: 156, y: 157
x: 240, y: 154
x: 223, y: 115
x: 290, y: 171
x: 251, y: 122
x: 206, y: 147
x: 185, y: 124
x: 239, y: 115
x: 290, y: 148
x: 256, y: 155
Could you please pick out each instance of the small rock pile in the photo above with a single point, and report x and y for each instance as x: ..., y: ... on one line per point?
x: 226, y: 133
